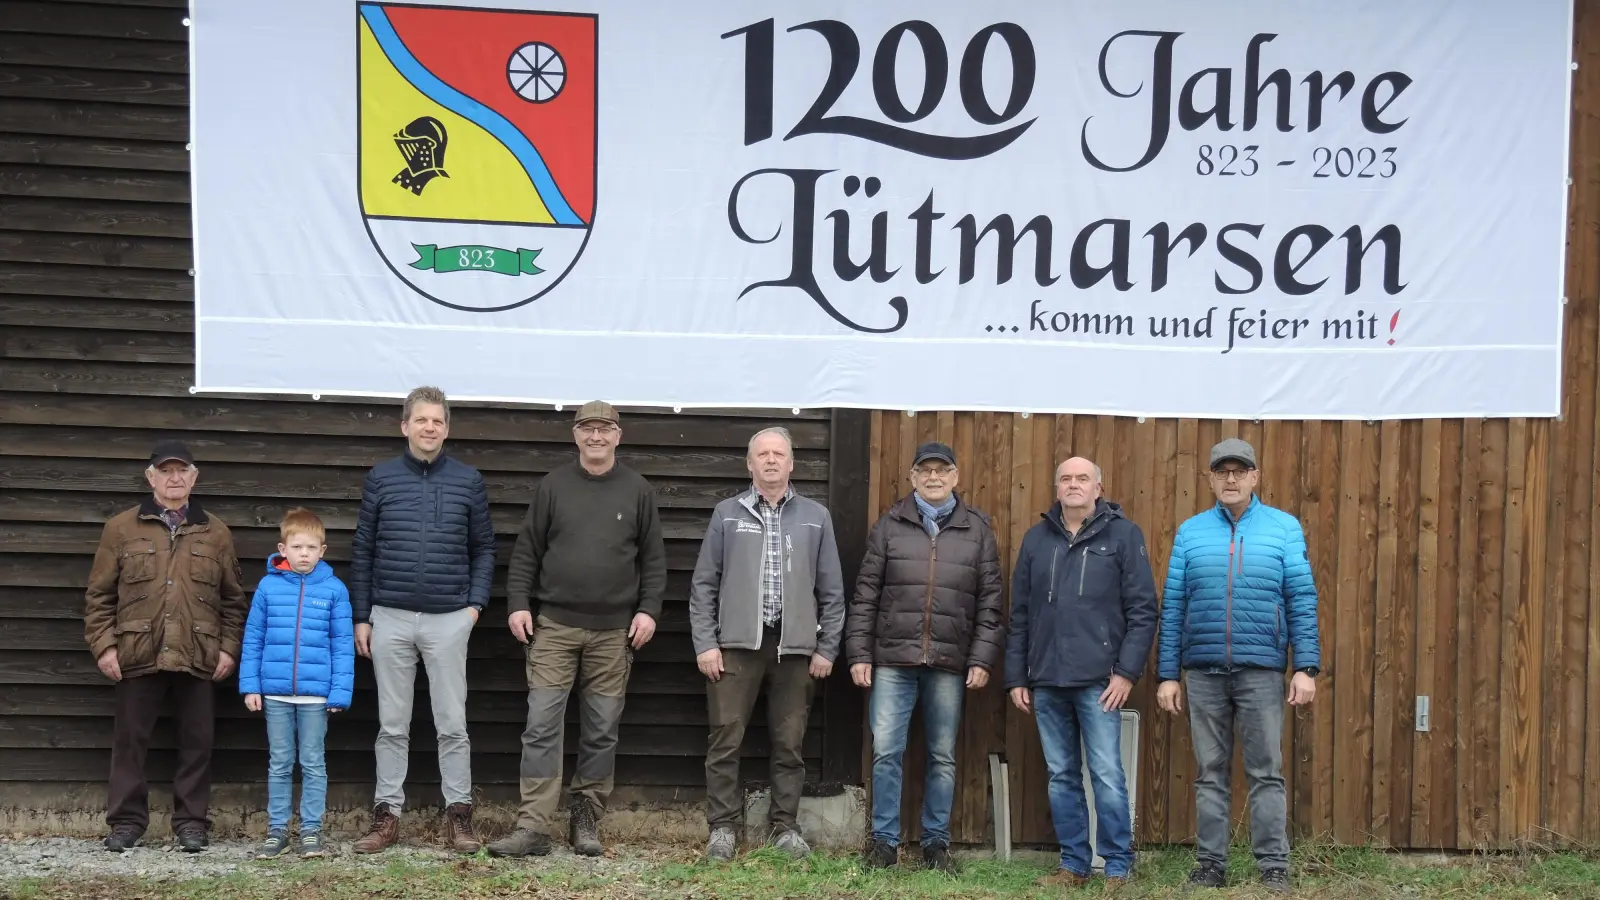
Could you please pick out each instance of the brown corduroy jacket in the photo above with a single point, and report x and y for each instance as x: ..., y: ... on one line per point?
x: 168, y: 602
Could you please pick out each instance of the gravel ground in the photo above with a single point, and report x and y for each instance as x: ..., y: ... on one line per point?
x: 160, y: 860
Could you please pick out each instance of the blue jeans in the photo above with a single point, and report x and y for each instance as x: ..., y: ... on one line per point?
x: 895, y: 690
x: 1066, y: 715
x: 296, y: 729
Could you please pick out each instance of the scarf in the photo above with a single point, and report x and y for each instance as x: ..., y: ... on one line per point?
x: 932, y: 514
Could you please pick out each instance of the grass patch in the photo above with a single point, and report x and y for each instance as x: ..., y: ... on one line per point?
x: 1322, y: 873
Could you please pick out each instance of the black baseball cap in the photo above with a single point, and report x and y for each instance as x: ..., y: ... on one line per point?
x: 934, y: 450
x: 166, y: 451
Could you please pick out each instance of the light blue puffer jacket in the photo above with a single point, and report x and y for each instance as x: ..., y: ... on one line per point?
x: 1239, y: 594
x: 299, y: 640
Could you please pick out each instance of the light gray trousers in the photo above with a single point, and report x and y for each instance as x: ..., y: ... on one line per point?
x: 399, y: 639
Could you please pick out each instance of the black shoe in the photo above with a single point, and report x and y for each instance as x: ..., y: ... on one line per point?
x: 937, y: 858
x: 1276, y: 880
x: 880, y: 855
x: 123, y: 838
x: 1208, y: 875
x: 192, y: 838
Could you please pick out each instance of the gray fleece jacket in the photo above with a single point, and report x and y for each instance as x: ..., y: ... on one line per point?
x: 725, y: 597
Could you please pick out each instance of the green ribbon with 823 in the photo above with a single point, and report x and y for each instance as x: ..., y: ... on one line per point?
x: 476, y: 258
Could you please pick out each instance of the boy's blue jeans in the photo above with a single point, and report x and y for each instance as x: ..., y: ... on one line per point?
x: 895, y: 692
x: 1065, y: 715
x: 296, y: 730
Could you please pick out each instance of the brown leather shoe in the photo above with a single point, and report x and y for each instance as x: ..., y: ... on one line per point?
x: 458, y: 834
x: 384, y: 834
x: 1062, y: 878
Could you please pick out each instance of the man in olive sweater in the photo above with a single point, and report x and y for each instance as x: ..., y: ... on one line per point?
x: 584, y: 590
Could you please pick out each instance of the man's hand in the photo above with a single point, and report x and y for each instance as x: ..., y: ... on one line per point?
x: 1022, y: 699
x: 861, y: 674
x: 820, y: 668
x: 224, y: 667
x: 109, y: 665
x: 475, y: 614
x: 1169, y: 696
x: 521, y: 623
x: 977, y: 677
x: 1302, y: 689
x: 710, y: 663
x: 642, y: 629
x: 252, y: 702
x: 1116, y: 693
x: 335, y: 709
x: 364, y: 639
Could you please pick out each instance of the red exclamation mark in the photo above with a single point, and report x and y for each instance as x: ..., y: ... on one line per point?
x: 1393, y: 321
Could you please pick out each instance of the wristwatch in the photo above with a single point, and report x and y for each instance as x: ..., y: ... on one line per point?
x: 1313, y: 671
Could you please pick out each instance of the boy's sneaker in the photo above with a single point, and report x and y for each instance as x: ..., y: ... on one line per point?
x: 311, y: 845
x: 722, y: 845
x: 273, y: 846
x: 1208, y: 875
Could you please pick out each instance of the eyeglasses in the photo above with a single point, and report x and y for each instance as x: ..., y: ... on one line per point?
x: 1230, y: 474
x: 927, y: 472
x: 597, y: 429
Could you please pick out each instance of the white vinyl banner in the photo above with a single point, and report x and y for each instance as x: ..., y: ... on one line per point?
x: 1227, y: 208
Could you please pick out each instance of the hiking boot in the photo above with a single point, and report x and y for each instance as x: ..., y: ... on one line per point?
x: 936, y: 856
x: 522, y: 842
x: 192, y: 838
x: 311, y: 845
x: 273, y: 846
x: 1116, y: 882
x: 1276, y: 880
x: 1064, y: 878
x: 583, y: 829
x: 722, y: 845
x: 123, y: 838
x: 458, y: 834
x: 1208, y: 875
x: 385, y: 831
x: 789, y: 841
x: 880, y: 855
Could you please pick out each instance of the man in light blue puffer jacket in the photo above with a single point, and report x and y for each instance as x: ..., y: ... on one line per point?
x: 298, y: 664
x: 1239, y: 598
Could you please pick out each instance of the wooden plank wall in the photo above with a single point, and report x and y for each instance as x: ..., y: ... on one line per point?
x: 95, y: 363
x: 1457, y: 560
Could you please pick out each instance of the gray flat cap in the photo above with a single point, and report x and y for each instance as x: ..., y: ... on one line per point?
x: 1234, y: 449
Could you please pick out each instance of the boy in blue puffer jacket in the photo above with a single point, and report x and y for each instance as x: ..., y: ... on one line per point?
x: 298, y: 663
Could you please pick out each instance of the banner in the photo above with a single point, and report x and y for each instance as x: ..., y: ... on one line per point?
x: 1242, y: 209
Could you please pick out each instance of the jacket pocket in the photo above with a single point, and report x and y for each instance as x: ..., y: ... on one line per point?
x: 136, y: 646
x: 1280, y: 628
x: 204, y: 566
x: 137, y: 561
x: 1098, y: 571
x: 208, y: 644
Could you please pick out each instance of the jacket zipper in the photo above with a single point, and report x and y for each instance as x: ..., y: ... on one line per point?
x: 294, y: 668
x: 1228, y: 633
x: 927, y: 602
x: 1083, y: 566
x: 1051, y: 598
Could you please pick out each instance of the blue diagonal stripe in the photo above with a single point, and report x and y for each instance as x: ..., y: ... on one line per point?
x: 473, y: 111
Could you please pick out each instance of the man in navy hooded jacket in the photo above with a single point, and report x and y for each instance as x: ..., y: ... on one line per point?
x: 1239, y: 597
x: 1083, y: 616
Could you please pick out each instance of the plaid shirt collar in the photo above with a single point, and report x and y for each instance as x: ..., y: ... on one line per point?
x: 772, y: 555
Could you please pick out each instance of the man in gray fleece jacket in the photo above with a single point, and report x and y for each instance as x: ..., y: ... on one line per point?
x: 767, y: 605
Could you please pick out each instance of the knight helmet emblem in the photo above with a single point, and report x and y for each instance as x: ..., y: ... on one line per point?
x: 422, y: 144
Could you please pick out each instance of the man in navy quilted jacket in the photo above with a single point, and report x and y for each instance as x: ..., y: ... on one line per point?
x: 421, y: 563
x: 1239, y: 599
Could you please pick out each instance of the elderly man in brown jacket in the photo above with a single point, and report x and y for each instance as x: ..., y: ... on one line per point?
x: 164, y: 615
x: 925, y: 623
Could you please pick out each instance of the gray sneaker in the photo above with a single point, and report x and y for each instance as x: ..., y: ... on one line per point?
x: 722, y: 845
x: 273, y: 846
x: 790, y: 842
x: 311, y: 845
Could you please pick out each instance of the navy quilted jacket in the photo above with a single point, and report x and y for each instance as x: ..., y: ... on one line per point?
x: 298, y: 640
x: 423, y: 539
x: 1239, y: 594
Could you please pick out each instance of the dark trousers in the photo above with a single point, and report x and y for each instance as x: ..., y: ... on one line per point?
x: 139, y: 703
x: 731, y: 700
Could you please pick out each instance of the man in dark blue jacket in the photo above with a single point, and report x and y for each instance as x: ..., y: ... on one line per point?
x: 421, y: 563
x: 1083, y: 616
x: 1239, y: 596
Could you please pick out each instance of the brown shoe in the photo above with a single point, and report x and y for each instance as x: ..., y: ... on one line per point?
x: 1062, y: 878
x: 458, y: 834
x: 384, y: 834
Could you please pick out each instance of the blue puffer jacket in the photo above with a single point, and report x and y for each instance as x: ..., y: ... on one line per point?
x: 299, y: 640
x: 1239, y: 594
x: 423, y: 541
